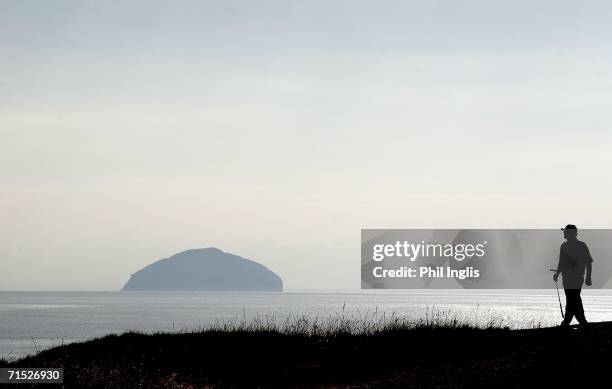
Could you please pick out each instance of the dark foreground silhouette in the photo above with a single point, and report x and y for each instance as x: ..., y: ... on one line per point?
x: 422, y: 357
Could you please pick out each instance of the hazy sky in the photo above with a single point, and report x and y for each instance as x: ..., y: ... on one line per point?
x: 276, y: 130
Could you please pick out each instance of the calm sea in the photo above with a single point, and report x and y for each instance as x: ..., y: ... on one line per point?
x: 31, y: 320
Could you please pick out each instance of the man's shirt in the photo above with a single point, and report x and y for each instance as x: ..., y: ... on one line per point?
x: 573, y: 258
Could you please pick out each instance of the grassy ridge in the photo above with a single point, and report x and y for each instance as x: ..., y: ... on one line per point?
x: 436, y: 352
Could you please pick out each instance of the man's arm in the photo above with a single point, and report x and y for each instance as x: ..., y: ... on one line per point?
x: 589, y: 268
x: 556, y: 275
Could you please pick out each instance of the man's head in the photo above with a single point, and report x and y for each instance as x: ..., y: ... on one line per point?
x: 570, y: 231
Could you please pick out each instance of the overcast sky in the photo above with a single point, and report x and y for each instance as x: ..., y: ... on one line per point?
x: 276, y: 130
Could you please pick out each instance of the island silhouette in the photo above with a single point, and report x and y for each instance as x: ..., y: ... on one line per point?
x: 206, y: 269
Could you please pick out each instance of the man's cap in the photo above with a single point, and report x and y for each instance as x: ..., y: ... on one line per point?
x: 569, y: 227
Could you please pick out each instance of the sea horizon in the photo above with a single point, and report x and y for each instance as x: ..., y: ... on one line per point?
x: 32, y: 321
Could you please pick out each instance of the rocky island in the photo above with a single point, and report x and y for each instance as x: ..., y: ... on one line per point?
x: 205, y: 269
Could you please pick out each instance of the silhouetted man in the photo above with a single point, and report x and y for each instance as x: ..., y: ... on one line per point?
x: 574, y: 259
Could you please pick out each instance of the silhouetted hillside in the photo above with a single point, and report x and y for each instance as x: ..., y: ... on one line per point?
x: 395, y: 357
x: 205, y: 269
